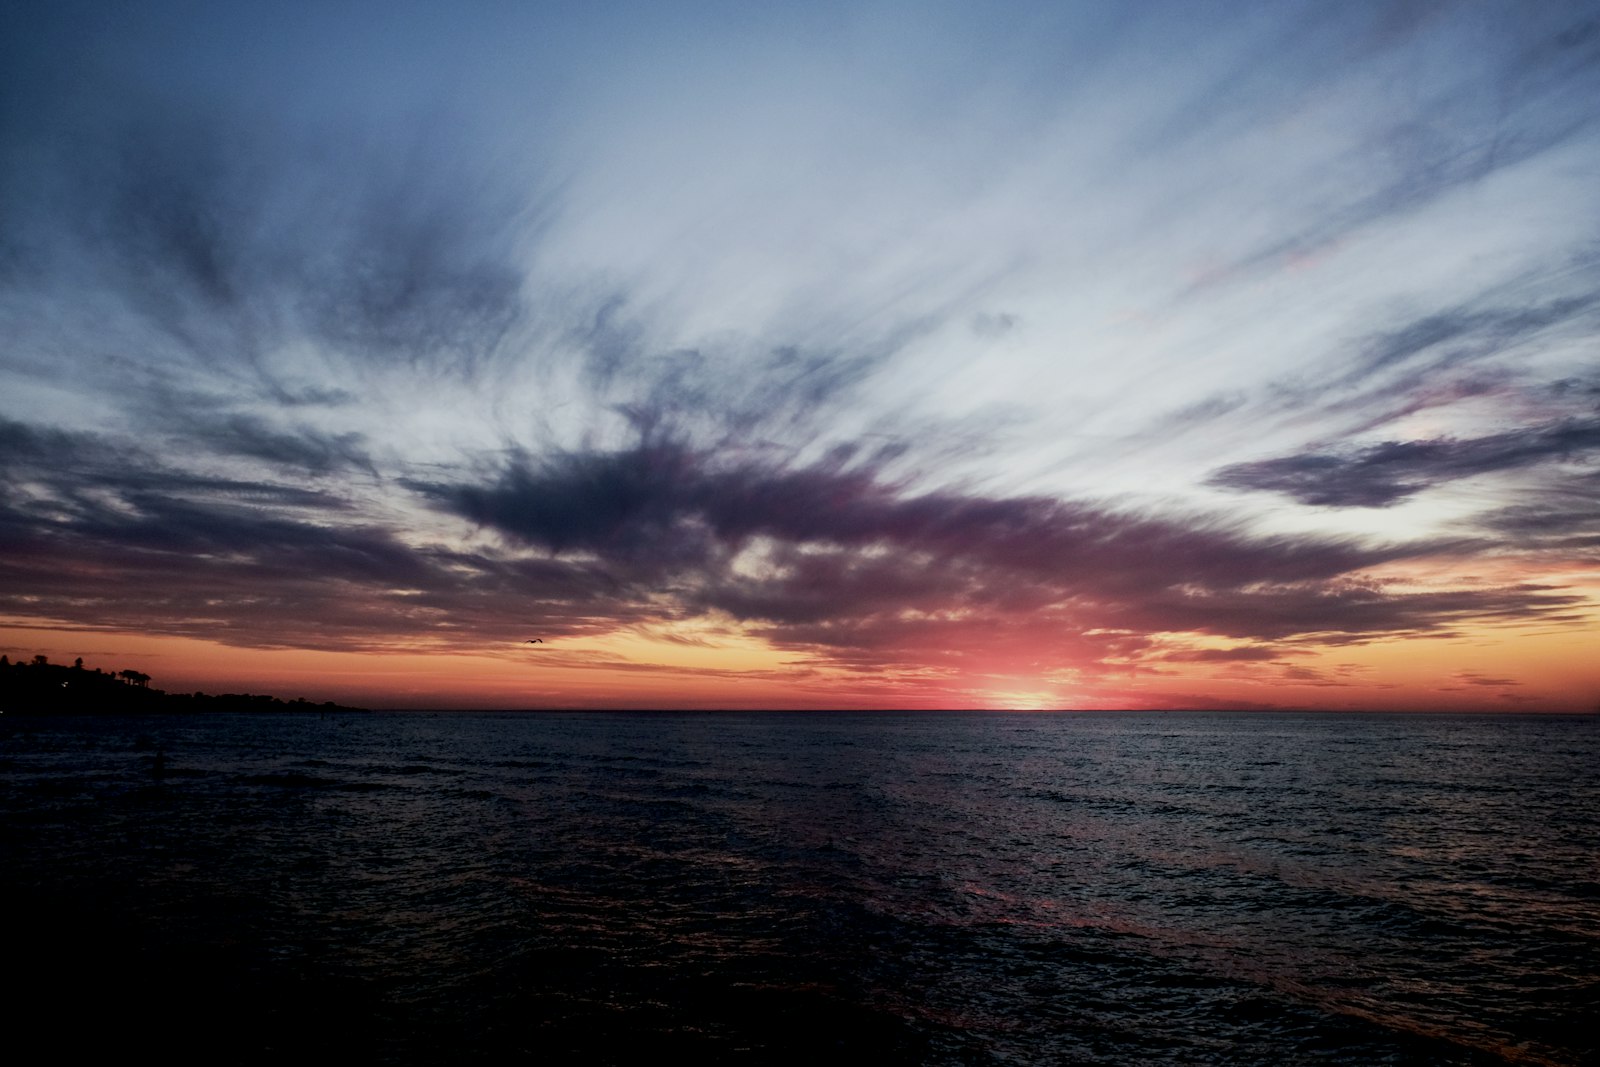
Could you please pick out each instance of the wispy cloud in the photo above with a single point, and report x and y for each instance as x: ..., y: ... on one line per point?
x: 1037, y: 341
x: 1388, y: 473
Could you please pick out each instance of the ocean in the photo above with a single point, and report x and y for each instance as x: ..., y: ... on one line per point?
x: 947, y: 888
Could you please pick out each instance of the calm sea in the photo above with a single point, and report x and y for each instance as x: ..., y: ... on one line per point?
x: 892, y: 888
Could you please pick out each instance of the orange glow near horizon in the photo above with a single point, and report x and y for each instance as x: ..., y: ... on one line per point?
x: 1489, y: 668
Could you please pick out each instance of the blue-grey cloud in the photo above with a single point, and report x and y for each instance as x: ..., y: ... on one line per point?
x: 303, y: 448
x: 1463, y: 335
x: 1526, y: 95
x: 233, y: 242
x: 1560, y: 515
x: 1394, y: 471
x: 74, y: 468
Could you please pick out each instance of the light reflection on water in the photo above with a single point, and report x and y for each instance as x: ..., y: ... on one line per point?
x: 934, y: 888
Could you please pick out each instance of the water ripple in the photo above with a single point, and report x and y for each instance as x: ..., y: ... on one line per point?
x: 1183, y: 889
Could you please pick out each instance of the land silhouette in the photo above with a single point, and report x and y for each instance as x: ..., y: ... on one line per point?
x: 39, y: 687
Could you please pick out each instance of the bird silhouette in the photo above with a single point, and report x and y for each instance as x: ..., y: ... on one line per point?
x: 535, y: 641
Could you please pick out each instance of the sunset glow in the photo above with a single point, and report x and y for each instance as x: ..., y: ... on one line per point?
x: 1018, y: 356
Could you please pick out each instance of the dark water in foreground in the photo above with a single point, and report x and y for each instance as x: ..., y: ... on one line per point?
x: 982, y: 888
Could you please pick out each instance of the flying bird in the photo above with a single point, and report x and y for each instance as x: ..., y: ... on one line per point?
x: 535, y: 641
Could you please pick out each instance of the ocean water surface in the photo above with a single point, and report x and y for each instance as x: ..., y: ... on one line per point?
x: 888, y: 888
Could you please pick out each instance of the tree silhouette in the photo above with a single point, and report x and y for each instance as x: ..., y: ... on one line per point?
x: 37, y: 686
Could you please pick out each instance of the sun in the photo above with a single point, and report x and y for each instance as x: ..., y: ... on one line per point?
x: 1022, y: 700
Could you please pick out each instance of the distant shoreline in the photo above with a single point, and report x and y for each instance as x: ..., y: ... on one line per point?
x: 38, y: 687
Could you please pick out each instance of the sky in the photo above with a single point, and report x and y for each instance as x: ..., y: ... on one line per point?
x: 861, y: 355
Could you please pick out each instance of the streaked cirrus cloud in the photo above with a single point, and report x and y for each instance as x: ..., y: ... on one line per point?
x: 1166, y: 354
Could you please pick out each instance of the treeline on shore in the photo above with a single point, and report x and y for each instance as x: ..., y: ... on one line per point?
x: 39, y: 687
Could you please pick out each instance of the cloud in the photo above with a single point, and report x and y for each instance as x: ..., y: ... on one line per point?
x: 1474, y: 678
x: 302, y: 448
x: 73, y: 470
x: 1560, y: 515
x: 992, y: 325
x: 1343, y: 675
x: 1463, y: 335
x: 646, y: 501
x: 1528, y: 98
x: 402, y: 333
x: 833, y: 557
x: 1237, y: 654
x: 231, y: 240
x: 101, y: 535
x: 1389, y: 473
x: 829, y: 559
